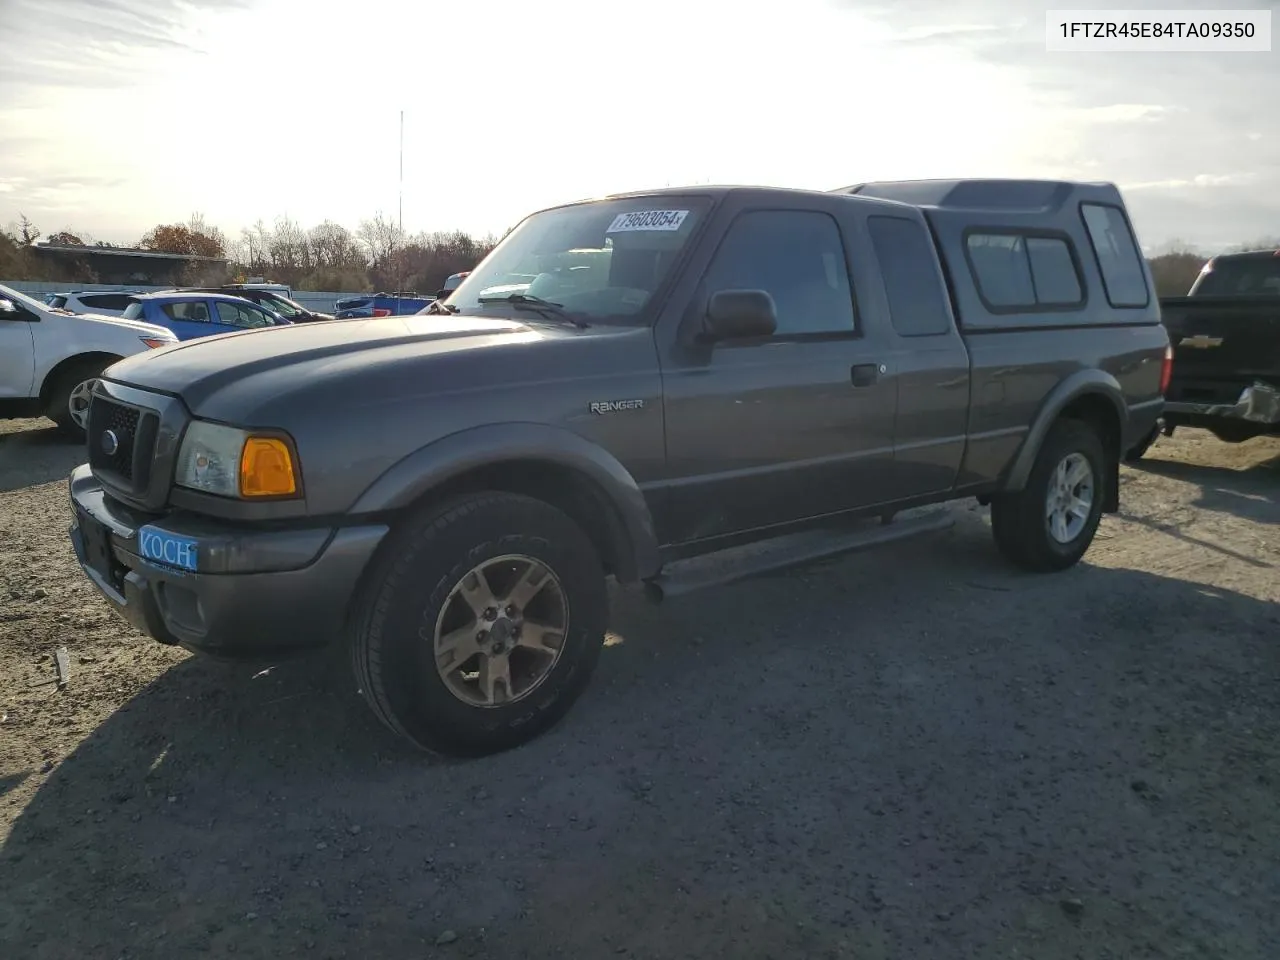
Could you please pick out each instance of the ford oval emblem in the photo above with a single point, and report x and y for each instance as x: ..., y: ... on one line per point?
x: 110, y: 442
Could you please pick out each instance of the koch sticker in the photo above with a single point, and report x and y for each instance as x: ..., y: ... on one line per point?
x: 647, y: 220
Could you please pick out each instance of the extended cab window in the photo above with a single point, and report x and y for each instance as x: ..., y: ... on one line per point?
x: 1016, y: 271
x: 798, y: 257
x: 1118, y: 258
x: 917, y: 301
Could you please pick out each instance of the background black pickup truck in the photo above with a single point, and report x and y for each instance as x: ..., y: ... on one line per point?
x: 1226, y: 340
x: 675, y: 388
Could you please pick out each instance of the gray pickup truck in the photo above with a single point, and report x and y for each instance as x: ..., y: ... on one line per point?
x: 672, y: 388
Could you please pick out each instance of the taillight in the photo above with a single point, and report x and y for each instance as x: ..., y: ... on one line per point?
x: 1166, y: 369
x: 381, y: 312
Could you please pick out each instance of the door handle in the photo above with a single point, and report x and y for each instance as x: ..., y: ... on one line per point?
x: 865, y: 374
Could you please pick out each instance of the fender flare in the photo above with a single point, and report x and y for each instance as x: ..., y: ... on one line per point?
x: 451, y: 456
x: 1079, y: 384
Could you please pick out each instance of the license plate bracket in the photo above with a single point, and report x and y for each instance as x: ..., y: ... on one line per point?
x: 97, y: 546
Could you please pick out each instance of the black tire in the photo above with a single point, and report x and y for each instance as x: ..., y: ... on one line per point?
x: 1018, y: 520
x: 58, y: 408
x: 1139, y: 450
x: 396, y: 613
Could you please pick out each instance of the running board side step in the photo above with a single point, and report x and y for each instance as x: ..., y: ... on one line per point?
x: 781, y: 553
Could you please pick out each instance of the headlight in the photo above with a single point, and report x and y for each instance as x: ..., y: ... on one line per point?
x: 229, y: 462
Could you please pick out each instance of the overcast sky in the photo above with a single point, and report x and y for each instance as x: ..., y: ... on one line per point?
x: 118, y: 114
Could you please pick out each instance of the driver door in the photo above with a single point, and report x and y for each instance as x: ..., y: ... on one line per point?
x: 784, y: 428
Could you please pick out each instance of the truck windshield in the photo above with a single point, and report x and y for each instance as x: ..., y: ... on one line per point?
x: 1239, y: 277
x: 282, y: 305
x: 601, y: 261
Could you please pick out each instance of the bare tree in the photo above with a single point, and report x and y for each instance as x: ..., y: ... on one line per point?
x: 27, y: 231
x: 252, y: 250
x: 289, y: 249
x: 381, y: 237
x: 333, y: 247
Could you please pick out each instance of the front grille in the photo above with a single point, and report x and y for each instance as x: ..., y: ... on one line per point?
x: 134, y: 434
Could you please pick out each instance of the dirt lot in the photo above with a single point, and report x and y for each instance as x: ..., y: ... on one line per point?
x: 914, y: 753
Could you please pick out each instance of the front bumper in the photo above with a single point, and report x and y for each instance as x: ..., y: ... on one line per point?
x: 1258, y: 403
x: 254, y: 592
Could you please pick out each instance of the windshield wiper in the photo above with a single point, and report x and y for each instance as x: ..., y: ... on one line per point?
x: 547, y: 308
x: 435, y: 306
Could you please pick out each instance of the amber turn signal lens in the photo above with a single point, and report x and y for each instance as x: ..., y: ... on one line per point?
x: 156, y: 344
x: 266, y: 469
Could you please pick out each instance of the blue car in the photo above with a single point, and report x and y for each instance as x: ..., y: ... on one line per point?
x: 379, y: 305
x: 194, y: 315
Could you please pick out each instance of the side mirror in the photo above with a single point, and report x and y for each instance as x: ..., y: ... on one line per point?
x: 739, y: 314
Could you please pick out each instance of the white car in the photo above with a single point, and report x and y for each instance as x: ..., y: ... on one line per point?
x: 106, y: 303
x: 49, y: 359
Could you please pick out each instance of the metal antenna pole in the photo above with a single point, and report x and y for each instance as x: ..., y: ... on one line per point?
x: 400, y: 220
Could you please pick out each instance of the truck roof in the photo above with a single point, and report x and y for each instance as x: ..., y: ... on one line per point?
x: 1263, y: 253
x: 717, y: 192
x: 996, y: 195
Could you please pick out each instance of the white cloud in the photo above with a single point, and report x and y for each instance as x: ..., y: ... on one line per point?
x: 1123, y: 113
x: 1199, y: 181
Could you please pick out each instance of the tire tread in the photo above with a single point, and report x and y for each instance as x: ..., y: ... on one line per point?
x: 386, y: 579
x: 1017, y: 521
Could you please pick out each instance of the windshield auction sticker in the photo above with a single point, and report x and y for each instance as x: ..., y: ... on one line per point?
x: 647, y: 220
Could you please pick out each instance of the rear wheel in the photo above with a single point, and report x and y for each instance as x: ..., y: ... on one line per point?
x: 1049, y: 524
x: 470, y: 638
x: 68, y: 405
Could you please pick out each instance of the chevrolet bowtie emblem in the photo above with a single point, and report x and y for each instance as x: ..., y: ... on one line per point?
x: 1200, y: 342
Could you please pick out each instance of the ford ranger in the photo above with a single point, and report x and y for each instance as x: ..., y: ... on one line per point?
x: 625, y: 387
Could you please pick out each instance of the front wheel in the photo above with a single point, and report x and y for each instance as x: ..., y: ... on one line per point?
x: 480, y: 624
x: 1049, y: 524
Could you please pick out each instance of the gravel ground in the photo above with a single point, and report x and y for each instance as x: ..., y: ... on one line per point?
x: 911, y: 753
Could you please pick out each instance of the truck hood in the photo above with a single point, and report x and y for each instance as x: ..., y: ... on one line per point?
x: 240, y: 375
